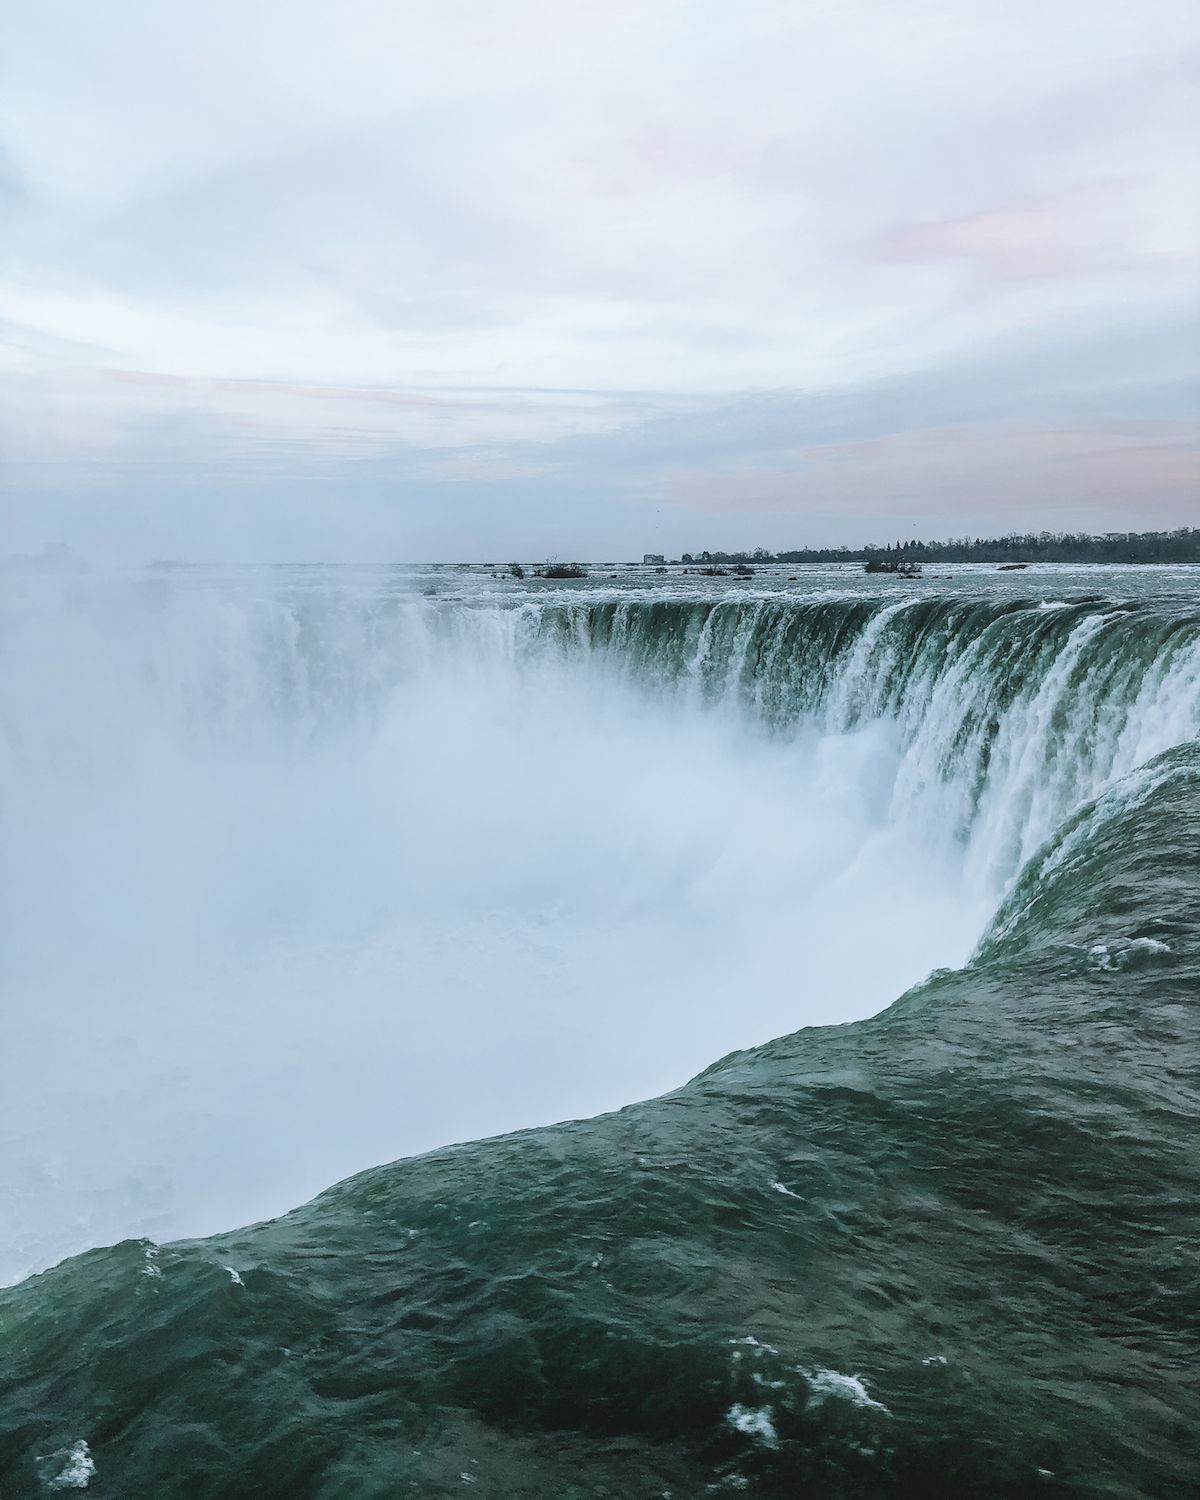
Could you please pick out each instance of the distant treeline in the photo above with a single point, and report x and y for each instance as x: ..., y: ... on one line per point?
x: 1182, y: 546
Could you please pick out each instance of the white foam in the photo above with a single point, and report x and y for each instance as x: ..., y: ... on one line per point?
x: 755, y: 1422
x: 78, y: 1468
x: 827, y: 1385
x: 1121, y: 951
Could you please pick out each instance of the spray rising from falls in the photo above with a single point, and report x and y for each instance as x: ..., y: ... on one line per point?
x: 306, y: 871
x: 1006, y: 715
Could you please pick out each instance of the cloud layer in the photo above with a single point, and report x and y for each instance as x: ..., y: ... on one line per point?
x: 566, y: 276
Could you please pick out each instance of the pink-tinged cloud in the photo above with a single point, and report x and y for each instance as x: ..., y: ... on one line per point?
x: 1088, y: 230
x: 953, y: 474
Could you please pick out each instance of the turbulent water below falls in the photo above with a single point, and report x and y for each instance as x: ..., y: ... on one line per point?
x: 306, y: 864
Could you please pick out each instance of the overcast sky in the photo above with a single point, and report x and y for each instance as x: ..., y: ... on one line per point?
x: 490, y: 278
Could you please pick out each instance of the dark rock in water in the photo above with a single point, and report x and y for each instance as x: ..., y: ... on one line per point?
x: 946, y: 1252
x: 1012, y: 567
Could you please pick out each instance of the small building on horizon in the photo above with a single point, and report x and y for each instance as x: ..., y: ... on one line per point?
x: 653, y: 557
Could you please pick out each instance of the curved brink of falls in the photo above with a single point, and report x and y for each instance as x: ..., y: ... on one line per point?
x: 947, y: 1250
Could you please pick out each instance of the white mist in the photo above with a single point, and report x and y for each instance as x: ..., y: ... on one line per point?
x: 297, y: 885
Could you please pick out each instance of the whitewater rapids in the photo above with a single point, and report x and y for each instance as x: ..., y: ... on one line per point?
x: 309, y: 869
